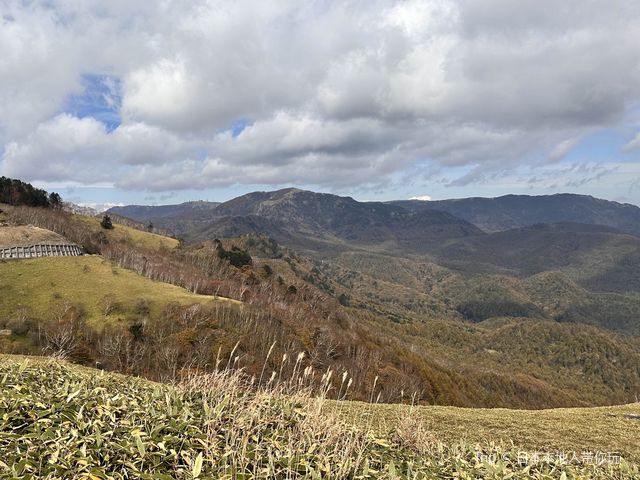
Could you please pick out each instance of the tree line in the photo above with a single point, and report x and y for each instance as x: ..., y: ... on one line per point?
x: 16, y: 192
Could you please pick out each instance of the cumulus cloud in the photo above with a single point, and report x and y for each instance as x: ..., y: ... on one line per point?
x: 63, y: 148
x: 334, y: 94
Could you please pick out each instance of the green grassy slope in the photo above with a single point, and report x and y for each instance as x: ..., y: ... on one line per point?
x: 62, y: 421
x: 37, y: 284
x: 122, y: 232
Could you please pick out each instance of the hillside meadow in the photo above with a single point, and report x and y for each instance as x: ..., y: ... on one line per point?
x: 63, y: 421
x: 104, y: 290
x: 124, y: 233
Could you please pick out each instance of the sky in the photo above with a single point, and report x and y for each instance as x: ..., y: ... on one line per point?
x: 160, y: 102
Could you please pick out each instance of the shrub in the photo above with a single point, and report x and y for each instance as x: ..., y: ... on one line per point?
x: 236, y: 256
x: 106, y: 222
x: 137, y: 330
x: 20, y: 323
x: 479, y: 310
x: 110, y: 304
x: 344, y: 300
x: 142, y: 307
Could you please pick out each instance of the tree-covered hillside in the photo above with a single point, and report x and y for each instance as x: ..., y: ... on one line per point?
x: 16, y: 192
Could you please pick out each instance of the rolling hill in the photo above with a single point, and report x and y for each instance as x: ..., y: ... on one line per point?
x: 408, y: 330
x: 586, y: 251
x: 125, y: 233
x: 416, y: 302
x: 28, y: 235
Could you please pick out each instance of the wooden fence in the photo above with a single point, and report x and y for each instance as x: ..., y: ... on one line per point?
x: 40, y: 250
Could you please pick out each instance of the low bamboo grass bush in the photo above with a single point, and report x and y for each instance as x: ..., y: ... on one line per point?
x: 62, y: 421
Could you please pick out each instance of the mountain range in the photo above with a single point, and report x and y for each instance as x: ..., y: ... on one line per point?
x: 513, y: 234
x: 323, y: 213
x: 516, y: 211
x: 560, y: 257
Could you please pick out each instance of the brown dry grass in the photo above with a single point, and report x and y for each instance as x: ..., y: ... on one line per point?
x: 599, y: 429
x: 29, y: 235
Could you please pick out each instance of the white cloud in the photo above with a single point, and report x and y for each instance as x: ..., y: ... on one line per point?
x: 634, y: 144
x: 562, y: 149
x: 335, y: 94
x: 63, y: 148
x: 422, y: 198
x: 100, y: 207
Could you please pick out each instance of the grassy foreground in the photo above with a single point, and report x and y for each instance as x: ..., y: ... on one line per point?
x: 569, y: 430
x: 37, y: 284
x: 63, y: 421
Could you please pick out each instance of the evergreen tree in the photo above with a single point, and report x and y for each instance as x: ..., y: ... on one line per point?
x: 54, y: 200
x: 106, y: 222
x: 15, y: 192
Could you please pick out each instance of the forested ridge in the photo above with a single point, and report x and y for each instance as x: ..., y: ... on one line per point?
x: 16, y: 192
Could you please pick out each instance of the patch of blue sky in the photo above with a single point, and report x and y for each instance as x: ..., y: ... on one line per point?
x: 602, y: 146
x: 101, y: 99
x: 238, y: 126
